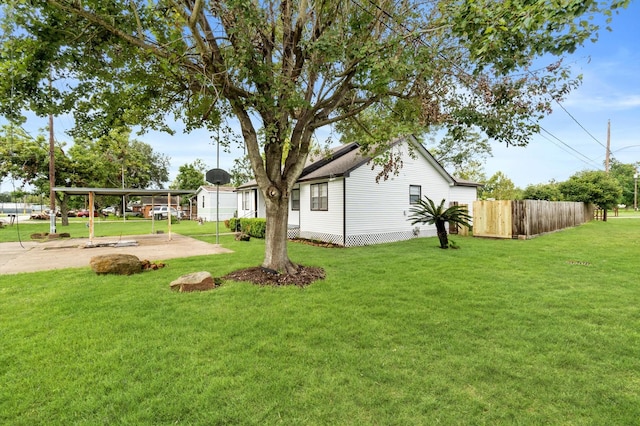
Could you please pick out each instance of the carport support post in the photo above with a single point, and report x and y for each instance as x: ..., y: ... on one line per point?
x: 91, y: 210
x: 153, y: 216
x: 169, y: 214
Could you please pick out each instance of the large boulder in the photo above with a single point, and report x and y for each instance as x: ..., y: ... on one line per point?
x: 118, y: 264
x: 196, y: 281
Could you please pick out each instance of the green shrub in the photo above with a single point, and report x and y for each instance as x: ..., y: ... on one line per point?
x: 233, y: 224
x: 255, y: 227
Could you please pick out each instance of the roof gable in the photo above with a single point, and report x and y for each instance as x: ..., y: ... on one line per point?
x: 352, y: 159
x: 346, y: 158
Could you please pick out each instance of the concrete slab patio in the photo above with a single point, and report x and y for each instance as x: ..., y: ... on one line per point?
x: 31, y: 256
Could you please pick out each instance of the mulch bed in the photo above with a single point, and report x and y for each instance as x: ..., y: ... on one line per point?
x: 315, y: 243
x: 262, y: 276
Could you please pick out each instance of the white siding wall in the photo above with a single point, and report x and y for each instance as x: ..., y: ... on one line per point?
x: 322, y: 225
x: 251, y: 210
x: 228, y: 205
x: 262, y: 208
x: 379, y: 212
x: 294, y: 215
x: 464, y: 195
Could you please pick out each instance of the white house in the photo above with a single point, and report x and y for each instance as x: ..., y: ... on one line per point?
x: 207, y: 200
x: 338, y: 200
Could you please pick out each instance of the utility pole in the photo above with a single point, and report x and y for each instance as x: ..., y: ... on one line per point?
x: 52, y: 179
x: 52, y: 174
x: 635, y: 191
x: 606, y: 161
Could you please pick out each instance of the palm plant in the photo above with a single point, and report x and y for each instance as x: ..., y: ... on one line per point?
x: 427, y: 212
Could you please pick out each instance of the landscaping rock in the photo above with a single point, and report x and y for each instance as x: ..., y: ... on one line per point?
x: 196, y: 281
x: 118, y: 264
x: 147, y: 265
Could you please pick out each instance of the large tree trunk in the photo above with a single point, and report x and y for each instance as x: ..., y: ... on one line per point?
x: 64, y: 208
x: 276, y: 255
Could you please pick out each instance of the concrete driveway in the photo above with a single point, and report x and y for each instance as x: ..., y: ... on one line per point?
x: 33, y: 256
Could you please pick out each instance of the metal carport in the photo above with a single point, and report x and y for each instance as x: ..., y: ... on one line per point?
x: 92, y: 192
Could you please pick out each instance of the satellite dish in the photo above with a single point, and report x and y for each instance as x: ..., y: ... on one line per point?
x: 218, y: 177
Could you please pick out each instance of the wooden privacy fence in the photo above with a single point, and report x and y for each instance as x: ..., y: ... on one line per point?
x: 526, y: 218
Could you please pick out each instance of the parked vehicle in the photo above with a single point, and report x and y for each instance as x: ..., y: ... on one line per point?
x: 85, y: 213
x: 162, y: 212
x: 133, y: 213
x: 109, y: 210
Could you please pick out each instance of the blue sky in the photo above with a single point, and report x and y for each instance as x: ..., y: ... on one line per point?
x: 610, y: 91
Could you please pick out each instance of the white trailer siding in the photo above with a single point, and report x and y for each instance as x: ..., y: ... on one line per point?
x: 251, y: 203
x: 379, y: 212
x: 323, y: 225
x: 464, y: 195
x: 208, y: 203
x: 294, y: 215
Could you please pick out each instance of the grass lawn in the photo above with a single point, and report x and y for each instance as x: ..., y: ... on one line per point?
x: 79, y: 228
x: 545, y: 331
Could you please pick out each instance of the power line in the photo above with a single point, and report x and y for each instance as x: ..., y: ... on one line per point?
x: 586, y: 159
x: 419, y: 38
x: 579, y: 124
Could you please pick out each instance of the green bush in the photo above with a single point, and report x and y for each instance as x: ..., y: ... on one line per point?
x: 255, y: 227
x: 232, y: 224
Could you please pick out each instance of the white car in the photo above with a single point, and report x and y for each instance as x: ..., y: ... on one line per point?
x: 109, y: 210
x: 161, y: 212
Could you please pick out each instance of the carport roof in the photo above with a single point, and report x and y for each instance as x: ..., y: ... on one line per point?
x: 121, y: 191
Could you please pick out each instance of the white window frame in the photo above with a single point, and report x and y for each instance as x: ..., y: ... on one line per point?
x: 246, y: 200
x: 320, y: 196
x: 295, y: 200
x: 413, y: 195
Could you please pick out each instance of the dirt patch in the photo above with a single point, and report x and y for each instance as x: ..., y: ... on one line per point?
x: 262, y: 276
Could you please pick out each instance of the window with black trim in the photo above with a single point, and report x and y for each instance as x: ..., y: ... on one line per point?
x: 295, y: 199
x: 320, y: 196
x: 415, y: 193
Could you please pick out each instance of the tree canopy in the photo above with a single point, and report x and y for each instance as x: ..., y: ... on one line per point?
x: 110, y: 162
x: 190, y: 176
x: 592, y: 186
x: 499, y: 187
x: 543, y: 191
x: 376, y: 70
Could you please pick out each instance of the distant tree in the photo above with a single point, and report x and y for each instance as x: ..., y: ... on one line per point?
x: 462, y: 154
x: 427, y: 212
x: 500, y: 187
x: 624, y: 175
x: 190, y: 176
x: 475, y: 173
x: 110, y: 162
x: 543, y: 191
x: 26, y: 160
x: 241, y: 172
x: 593, y: 186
